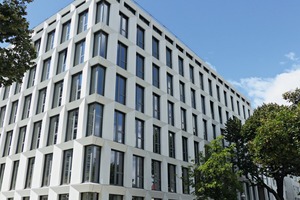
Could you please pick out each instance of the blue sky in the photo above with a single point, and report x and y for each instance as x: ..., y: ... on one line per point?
x: 254, y: 44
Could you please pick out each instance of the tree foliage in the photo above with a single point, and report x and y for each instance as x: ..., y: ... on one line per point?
x: 14, y: 30
x: 214, y: 177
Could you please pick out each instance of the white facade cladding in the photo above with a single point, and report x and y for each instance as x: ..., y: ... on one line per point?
x: 116, y: 107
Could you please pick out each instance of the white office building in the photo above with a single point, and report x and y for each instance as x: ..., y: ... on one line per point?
x: 115, y: 108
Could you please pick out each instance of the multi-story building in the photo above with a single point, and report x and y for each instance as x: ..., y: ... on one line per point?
x: 115, y: 107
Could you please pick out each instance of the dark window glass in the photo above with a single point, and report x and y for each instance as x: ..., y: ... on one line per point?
x: 100, y: 44
x: 6, y: 92
x: 62, y: 61
x: 225, y: 98
x: 67, y: 167
x: 76, y: 87
x: 57, y: 95
x: 53, y: 130
x: 203, y: 104
x: 156, y: 139
x: 37, y: 46
x: 14, y: 175
x: 192, y: 74
x: 115, y: 197
x: 7, y: 144
x: 193, y: 98
x: 72, y: 125
x: 116, y: 168
x: 140, y: 69
x: 91, y: 171
x: 185, y: 181
x: 31, y: 77
x: 180, y: 66
x: 18, y: 87
x: 182, y: 91
x: 37, y: 127
x: 170, y: 113
x: 122, y: 56
x: 185, y: 152
x: 156, y: 175
x: 119, y: 127
x: 2, y: 168
x: 218, y: 93
x: 232, y: 104
x: 64, y: 197
x: 2, y: 115
x: 155, y: 75
x: 139, y: 131
x: 156, y: 106
x: 210, y: 87
x: 244, y: 112
x: 205, y: 129
x: 138, y: 172
x: 41, y: 101
x: 155, y: 47
x: 89, y: 196
x: 29, y: 173
x: 102, y: 13
x: 140, y: 37
x: 123, y: 25
x: 220, y: 114
x: 214, y: 131
x: 47, y: 170
x: 238, y: 107
x: 95, y: 119
x: 66, y: 29
x: 50, y: 41
x: 139, y: 98
x: 21, y: 140
x: 79, y: 52
x: 169, y: 57
x: 44, y: 197
x: 26, y: 107
x: 171, y: 144
x: 201, y: 81
x: 212, y: 110
x: 171, y: 178
x: 13, y: 113
x: 183, y: 119
x: 82, y: 21
x: 169, y: 84
x: 97, y: 80
x: 196, y: 152
x: 120, y: 95
x: 195, y: 126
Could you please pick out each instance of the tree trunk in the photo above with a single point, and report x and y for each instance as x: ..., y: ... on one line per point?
x: 279, y: 183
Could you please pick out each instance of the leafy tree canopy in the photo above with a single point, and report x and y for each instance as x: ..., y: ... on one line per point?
x: 14, y: 30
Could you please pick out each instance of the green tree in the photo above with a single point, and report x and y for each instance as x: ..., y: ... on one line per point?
x: 214, y: 176
x: 14, y: 30
x: 267, y: 144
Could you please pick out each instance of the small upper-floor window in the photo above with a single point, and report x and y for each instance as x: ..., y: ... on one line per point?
x: 37, y: 46
x: 119, y: 127
x: 171, y: 144
x: 79, y: 52
x: 2, y: 115
x: 26, y: 107
x: 140, y: 69
x: 155, y: 75
x: 100, y: 44
x: 35, y: 141
x: 210, y: 87
x: 21, y: 140
x: 155, y: 47
x: 76, y: 87
x: 169, y: 57
x: 13, y: 113
x: 91, y: 171
x: 120, y: 93
x: 41, y: 101
x: 50, y: 41
x: 122, y: 55
x: 156, y: 106
x: 66, y: 29
x: 192, y: 74
x: 31, y: 77
x: 102, y: 13
x: 53, y: 130
x: 139, y: 98
x: 183, y: 119
x: 139, y: 133
x: 62, y: 61
x: 57, y: 94
x: 6, y: 92
x: 180, y: 66
x: 46, y: 69
x: 123, y: 25
x: 169, y: 84
x: 171, y: 113
x: 47, y: 170
x: 182, y: 91
x: 95, y: 120
x: 201, y: 81
x: 82, y: 21
x: 97, y: 80
x: 193, y: 98
x: 7, y: 144
x: 140, y: 37
x: 72, y: 125
x: 116, y: 168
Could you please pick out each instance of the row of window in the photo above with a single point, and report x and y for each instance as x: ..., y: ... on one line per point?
x: 91, y: 170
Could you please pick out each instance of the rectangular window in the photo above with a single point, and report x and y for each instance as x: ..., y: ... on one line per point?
x: 116, y: 168
x: 140, y: 68
x: 196, y: 152
x: 185, y: 181
x: 171, y: 144
x: 155, y: 48
x: 140, y: 37
x: 30, y: 167
x: 122, y: 56
x: 192, y: 74
x: 82, y: 21
x: 171, y: 178
x: 46, y: 69
x: 6, y: 92
x: 123, y: 25
x: 244, y: 112
x: 227, y: 115
x: 50, y: 41
x: 67, y: 167
x: 37, y: 127
x: 66, y: 29
x: 139, y: 98
x: 169, y: 57
x: 102, y: 13
x: 72, y: 125
x: 119, y: 127
x: 2, y: 115
x: 76, y: 87
x: 214, y: 131
x: 139, y: 132
x: 21, y: 140
x: 18, y: 88
x: 218, y: 93
x: 212, y: 110
x: 225, y: 98
x: 155, y: 75
x: 210, y: 87
x: 193, y: 98
x: 95, y: 119
x: 26, y: 107
x: 203, y: 104
x: 89, y: 196
x: 120, y: 95
x: 238, y: 107
x: 115, y: 197
x: 156, y: 106
x: 7, y: 144
x: 156, y: 139
x: 53, y: 130
x: 205, y: 129
x: 169, y: 84
x: 14, y: 175
x: 13, y: 113
x: 195, y: 126
x: 182, y: 91
x: 232, y: 104
x: 91, y: 172
x: 2, y: 168
x: 201, y: 81
x: 41, y: 101
x: 62, y: 61
x: 185, y: 152
x: 79, y: 52
x: 100, y: 44
x: 137, y: 198
x: 220, y: 114
x: 47, y: 170
x: 138, y: 172
x: 170, y: 113
x: 31, y: 77
x: 64, y: 197
x: 183, y: 119
x: 37, y: 46
x: 156, y: 175
x: 44, y: 197
x: 57, y: 95
x: 97, y: 80
x: 180, y: 66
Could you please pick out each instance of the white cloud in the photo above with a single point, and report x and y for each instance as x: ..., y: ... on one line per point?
x: 291, y: 56
x: 267, y: 90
